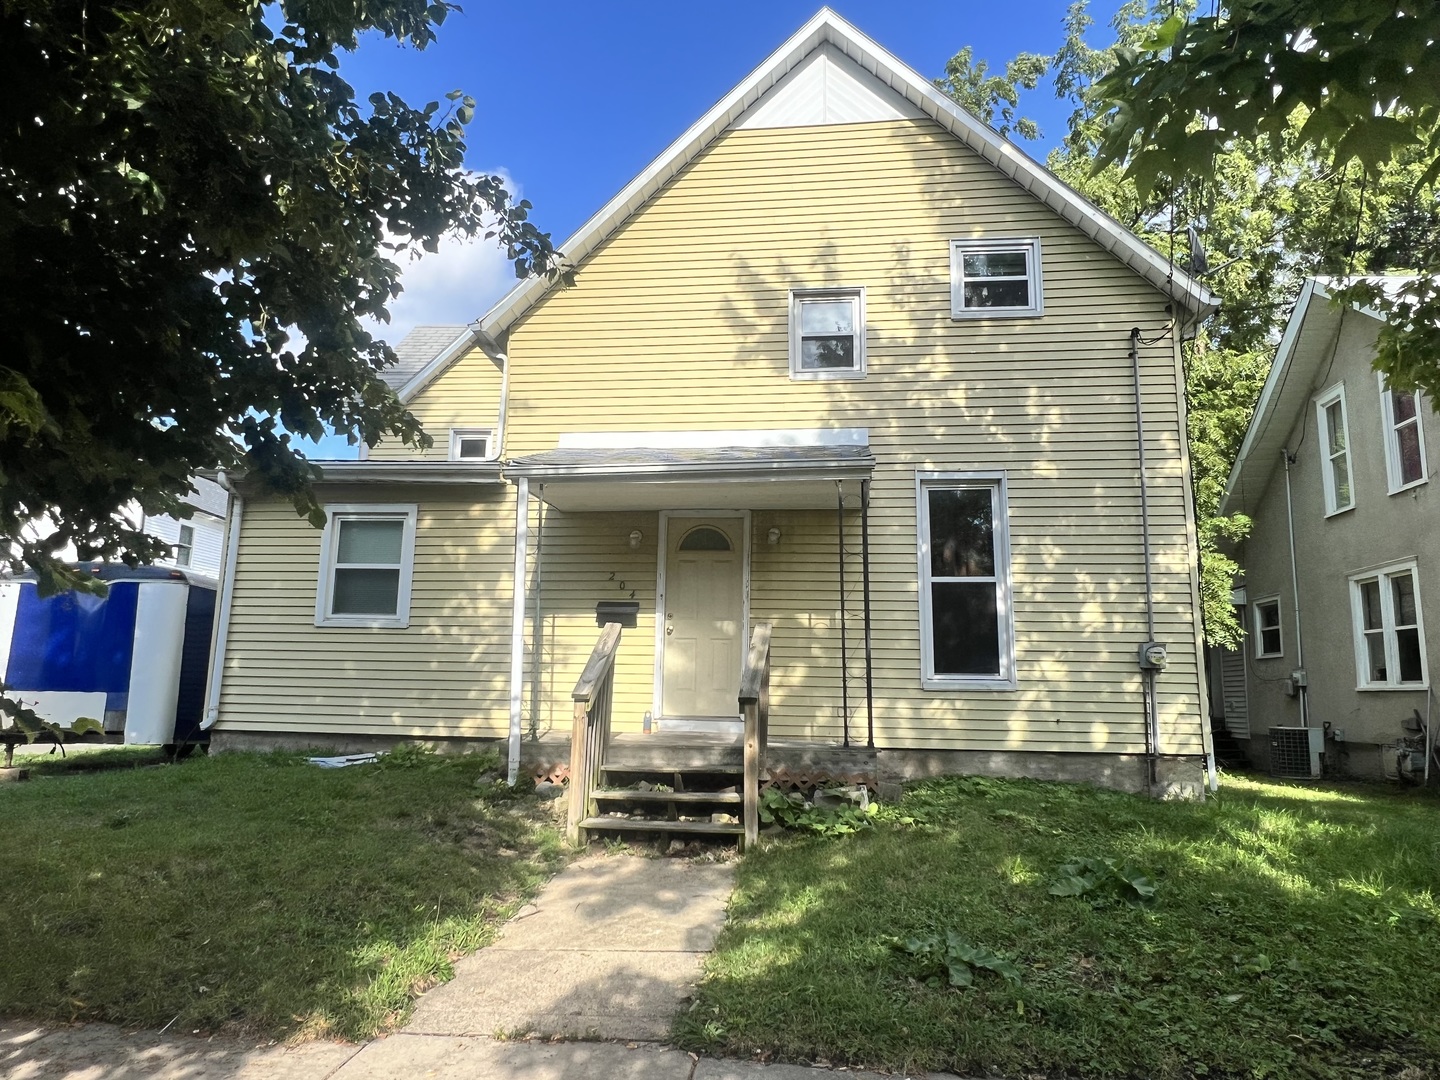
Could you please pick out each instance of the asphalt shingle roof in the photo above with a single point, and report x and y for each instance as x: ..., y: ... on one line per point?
x: 418, y: 348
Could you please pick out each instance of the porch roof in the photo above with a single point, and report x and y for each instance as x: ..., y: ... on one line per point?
x: 711, y: 478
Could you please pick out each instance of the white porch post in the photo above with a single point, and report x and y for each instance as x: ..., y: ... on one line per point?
x: 517, y: 626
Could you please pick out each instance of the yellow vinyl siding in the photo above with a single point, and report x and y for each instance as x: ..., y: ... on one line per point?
x: 680, y: 321
x: 447, y: 674
x: 466, y: 396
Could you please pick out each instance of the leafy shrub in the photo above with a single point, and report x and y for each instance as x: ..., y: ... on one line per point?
x: 1104, y: 881
x: 953, y: 958
x: 791, y: 811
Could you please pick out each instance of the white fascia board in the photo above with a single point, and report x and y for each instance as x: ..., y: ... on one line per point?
x: 712, y: 440
x: 827, y: 26
x: 409, y: 472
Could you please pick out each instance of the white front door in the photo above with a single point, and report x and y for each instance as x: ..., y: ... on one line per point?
x: 703, y: 618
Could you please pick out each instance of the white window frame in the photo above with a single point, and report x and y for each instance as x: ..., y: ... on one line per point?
x: 1257, y: 626
x: 996, y: 481
x: 1387, y: 623
x: 329, y: 549
x: 974, y: 245
x: 459, y: 433
x: 1392, y: 440
x: 856, y: 296
x: 1330, y: 397
x: 181, y: 545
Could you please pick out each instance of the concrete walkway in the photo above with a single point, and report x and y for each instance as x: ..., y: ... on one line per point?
x: 610, y: 950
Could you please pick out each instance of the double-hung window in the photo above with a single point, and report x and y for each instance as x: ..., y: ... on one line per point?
x: 1389, y: 633
x: 967, y: 632
x: 367, y: 559
x: 185, y: 549
x: 1335, y: 450
x: 1400, y: 411
x: 994, y: 278
x: 827, y: 334
x: 1269, y: 641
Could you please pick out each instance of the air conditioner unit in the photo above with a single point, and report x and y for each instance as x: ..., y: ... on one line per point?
x: 1295, y: 752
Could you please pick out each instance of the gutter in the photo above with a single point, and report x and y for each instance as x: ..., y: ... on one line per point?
x: 220, y: 634
x: 1302, y: 691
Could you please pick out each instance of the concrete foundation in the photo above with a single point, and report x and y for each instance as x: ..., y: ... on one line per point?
x: 262, y: 742
x: 1176, y: 777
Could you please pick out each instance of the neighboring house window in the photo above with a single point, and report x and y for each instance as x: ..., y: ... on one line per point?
x: 1389, y: 633
x: 366, y: 562
x: 185, y: 549
x: 1268, y: 640
x: 968, y: 639
x: 1404, y: 437
x: 470, y: 444
x: 1335, y: 450
x: 827, y: 334
x: 993, y: 278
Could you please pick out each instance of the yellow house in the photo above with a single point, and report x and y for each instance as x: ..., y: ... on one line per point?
x: 841, y: 361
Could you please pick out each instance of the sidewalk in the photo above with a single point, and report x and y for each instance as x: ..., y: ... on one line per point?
x: 609, y: 951
x: 101, y: 1052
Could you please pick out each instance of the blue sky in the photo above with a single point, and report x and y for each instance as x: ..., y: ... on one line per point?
x: 573, y: 99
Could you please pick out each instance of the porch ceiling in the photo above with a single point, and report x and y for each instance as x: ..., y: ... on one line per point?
x: 725, y: 478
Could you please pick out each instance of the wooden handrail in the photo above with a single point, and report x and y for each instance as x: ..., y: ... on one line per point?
x: 755, y: 709
x: 590, y: 727
x: 601, y: 662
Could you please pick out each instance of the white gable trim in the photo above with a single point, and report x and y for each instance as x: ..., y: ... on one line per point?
x: 826, y: 27
x: 826, y: 89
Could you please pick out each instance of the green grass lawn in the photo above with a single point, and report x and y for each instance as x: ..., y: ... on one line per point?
x: 257, y: 893
x: 1297, y: 934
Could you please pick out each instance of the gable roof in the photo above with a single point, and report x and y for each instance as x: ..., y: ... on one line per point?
x: 417, y: 348
x: 912, y: 94
x: 1310, y: 339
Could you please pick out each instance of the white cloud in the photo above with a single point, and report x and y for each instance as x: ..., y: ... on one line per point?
x: 456, y: 284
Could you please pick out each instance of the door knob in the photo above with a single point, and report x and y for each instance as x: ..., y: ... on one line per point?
x: 669, y: 630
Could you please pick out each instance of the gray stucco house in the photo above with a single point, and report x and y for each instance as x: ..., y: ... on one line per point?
x: 1336, y: 640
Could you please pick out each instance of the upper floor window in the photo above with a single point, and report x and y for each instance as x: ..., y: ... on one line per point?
x: 995, y: 278
x: 1335, y: 449
x: 185, y: 549
x: 1268, y: 639
x: 470, y: 444
x: 967, y: 640
x: 827, y: 333
x: 367, y: 558
x: 1389, y: 633
x: 1400, y: 411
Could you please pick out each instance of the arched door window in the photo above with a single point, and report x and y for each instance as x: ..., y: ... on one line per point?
x: 704, y: 538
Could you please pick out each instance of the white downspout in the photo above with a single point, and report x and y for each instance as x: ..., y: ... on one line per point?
x: 517, y: 625
x: 234, y: 512
x: 1304, y: 691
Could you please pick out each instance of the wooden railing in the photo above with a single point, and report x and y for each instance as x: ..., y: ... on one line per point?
x: 755, y: 709
x: 591, y: 726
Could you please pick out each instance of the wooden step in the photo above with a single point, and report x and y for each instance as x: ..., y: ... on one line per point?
x: 684, y: 770
x: 627, y: 795
x: 708, y: 828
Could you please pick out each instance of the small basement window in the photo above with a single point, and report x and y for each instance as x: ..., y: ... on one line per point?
x: 470, y: 444
x: 1269, y: 642
x: 827, y: 334
x: 367, y: 559
x: 995, y: 278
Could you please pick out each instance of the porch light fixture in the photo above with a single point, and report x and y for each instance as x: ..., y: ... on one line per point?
x: 772, y: 537
x: 635, y: 537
